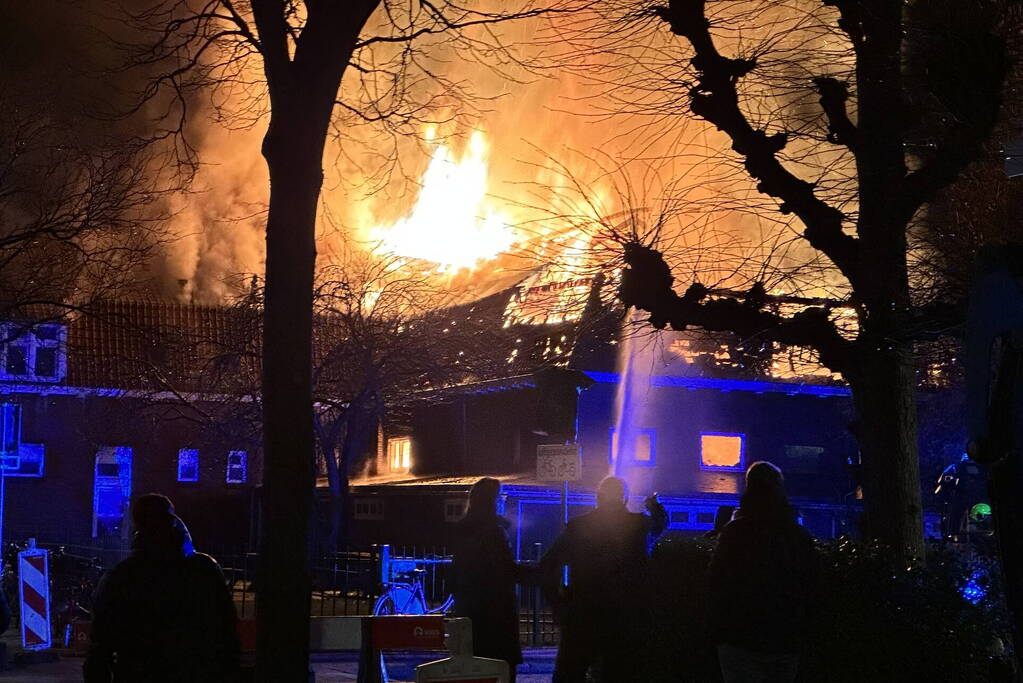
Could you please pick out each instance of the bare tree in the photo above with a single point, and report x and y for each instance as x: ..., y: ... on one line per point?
x: 850, y: 117
x: 77, y: 219
x: 287, y: 59
x: 382, y: 335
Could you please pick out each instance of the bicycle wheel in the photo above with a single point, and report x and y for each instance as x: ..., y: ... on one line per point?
x: 384, y: 605
x: 444, y: 607
x: 400, y: 599
x: 409, y: 600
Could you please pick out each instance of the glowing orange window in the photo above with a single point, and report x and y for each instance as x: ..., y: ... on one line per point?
x: 722, y: 451
x: 399, y: 454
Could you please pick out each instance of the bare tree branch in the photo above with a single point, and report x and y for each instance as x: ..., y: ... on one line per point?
x: 716, y: 99
x: 647, y: 285
x: 834, y: 95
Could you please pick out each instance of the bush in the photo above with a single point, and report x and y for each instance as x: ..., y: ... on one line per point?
x: 873, y: 623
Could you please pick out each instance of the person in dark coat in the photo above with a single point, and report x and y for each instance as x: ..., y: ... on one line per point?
x: 721, y: 518
x: 164, y: 614
x: 763, y: 584
x: 601, y: 608
x: 485, y: 575
x: 5, y: 612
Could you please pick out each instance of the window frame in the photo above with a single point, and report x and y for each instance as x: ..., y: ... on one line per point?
x: 28, y: 453
x: 740, y: 467
x: 244, y: 465
x: 28, y: 339
x: 651, y: 431
x: 679, y: 518
x: 798, y: 463
x: 122, y: 458
x: 396, y: 440
x: 462, y: 503
x: 372, y: 509
x: 195, y: 453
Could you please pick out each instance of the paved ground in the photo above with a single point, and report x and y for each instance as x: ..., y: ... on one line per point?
x: 68, y: 670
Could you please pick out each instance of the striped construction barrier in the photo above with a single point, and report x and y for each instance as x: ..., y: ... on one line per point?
x: 34, y: 592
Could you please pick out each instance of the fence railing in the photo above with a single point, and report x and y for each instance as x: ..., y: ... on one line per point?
x: 345, y: 583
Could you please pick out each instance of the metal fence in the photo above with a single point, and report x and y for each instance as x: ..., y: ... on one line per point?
x: 350, y: 582
x: 346, y: 583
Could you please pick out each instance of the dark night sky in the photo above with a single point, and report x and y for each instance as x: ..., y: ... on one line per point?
x: 54, y: 58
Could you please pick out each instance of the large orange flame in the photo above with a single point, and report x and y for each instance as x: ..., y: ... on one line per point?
x: 452, y: 223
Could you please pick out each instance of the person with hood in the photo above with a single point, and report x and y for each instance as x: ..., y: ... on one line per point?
x: 165, y: 613
x: 485, y: 575
x: 601, y: 609
x: 763, y: 584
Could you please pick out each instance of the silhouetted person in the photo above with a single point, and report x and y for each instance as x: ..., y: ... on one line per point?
x: 163, y: 614
x: 721, y: 519
x: 5, y: 622
x: 762, y: 584
x: 5, y: 610
x: 601, y: 609
x: 961, y: 485
x: 485, y: 574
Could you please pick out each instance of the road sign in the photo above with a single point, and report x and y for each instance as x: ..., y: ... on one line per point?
x: 555, y: 462
x: 34, y: 591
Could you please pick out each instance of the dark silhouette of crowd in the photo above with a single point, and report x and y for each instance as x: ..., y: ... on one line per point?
x: 165, y: 613
x: 762, y: 581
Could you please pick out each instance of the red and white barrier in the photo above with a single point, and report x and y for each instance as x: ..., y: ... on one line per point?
x: 34, y: 591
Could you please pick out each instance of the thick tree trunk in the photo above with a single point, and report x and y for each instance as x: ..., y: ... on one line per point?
x: 882, y: 377
x: 303, y: 86
x: 284, y: 584
x: 884, y: 392
x: 337, y: 485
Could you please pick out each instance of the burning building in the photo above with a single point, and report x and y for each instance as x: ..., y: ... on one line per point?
x: 680, y: 414
x: 159, y: 396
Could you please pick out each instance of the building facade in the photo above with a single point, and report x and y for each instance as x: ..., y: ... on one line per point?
x: 109, y: 406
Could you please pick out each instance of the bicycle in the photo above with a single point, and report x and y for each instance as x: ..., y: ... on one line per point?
x: 74, y: 581
x: 408, y: 598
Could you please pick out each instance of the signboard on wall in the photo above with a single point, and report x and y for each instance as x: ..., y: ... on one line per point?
x: 556, y: 462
